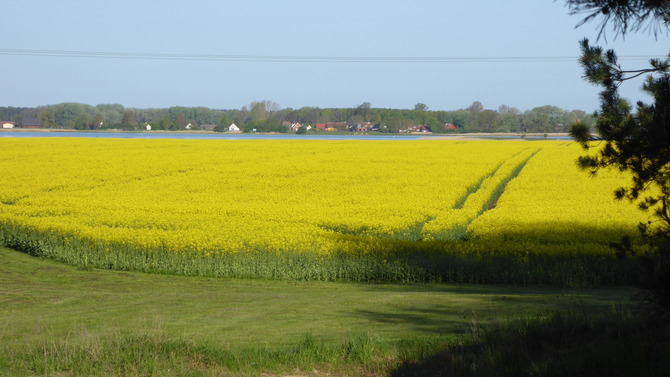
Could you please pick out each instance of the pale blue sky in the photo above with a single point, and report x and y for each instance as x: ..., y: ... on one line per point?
x: 346, y: 28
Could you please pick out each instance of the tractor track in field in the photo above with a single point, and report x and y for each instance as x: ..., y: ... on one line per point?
x: 414, y: 232
x: 460, y: 231
x: 492, y: 201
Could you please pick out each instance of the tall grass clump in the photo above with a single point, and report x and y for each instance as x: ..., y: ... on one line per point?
x: 155, y: 355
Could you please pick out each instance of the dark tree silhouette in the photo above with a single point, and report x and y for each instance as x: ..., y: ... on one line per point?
x: 624, y: 15
x: 637, y: 141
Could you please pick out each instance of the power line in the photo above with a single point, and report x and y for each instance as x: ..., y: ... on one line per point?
x: 297, y: 59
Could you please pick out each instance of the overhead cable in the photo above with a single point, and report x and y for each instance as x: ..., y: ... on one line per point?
x: 297, y: 58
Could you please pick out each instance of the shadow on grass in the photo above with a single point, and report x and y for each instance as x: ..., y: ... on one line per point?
x: 561, y: 345
x: 439, y: 320
x: 468, y: 307
x: 509, y: 294
x: 471, y: 289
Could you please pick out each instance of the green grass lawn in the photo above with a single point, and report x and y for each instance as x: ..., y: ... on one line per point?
x: 45, y: 305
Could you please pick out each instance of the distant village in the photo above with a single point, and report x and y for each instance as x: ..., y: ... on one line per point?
x: 268, y: 117
x: 34, y: 123
x: 345, y: 127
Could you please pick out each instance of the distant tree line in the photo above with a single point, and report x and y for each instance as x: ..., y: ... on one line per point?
x: 267, y: 116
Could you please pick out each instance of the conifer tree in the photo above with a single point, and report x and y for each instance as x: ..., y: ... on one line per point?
x: 634, y: 140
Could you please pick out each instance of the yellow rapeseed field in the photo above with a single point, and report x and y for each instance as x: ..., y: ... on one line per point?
x: 318, y: 197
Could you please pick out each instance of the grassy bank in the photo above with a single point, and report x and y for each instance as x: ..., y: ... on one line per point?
x: 61, y: 320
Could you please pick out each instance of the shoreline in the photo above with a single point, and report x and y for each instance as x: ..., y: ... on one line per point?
x: 426, y: 135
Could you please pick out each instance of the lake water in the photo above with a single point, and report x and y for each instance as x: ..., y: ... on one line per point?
x: 203, y: 136
x: 227, y: 136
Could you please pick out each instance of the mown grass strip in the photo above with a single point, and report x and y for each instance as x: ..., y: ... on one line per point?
x: 59, y: 320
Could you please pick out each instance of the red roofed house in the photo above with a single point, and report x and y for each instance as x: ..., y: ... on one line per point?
x: 31, y: 123
x: 420, y: 128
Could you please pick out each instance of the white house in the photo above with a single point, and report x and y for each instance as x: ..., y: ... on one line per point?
x: 233, y: 127
x: 7, y: 124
